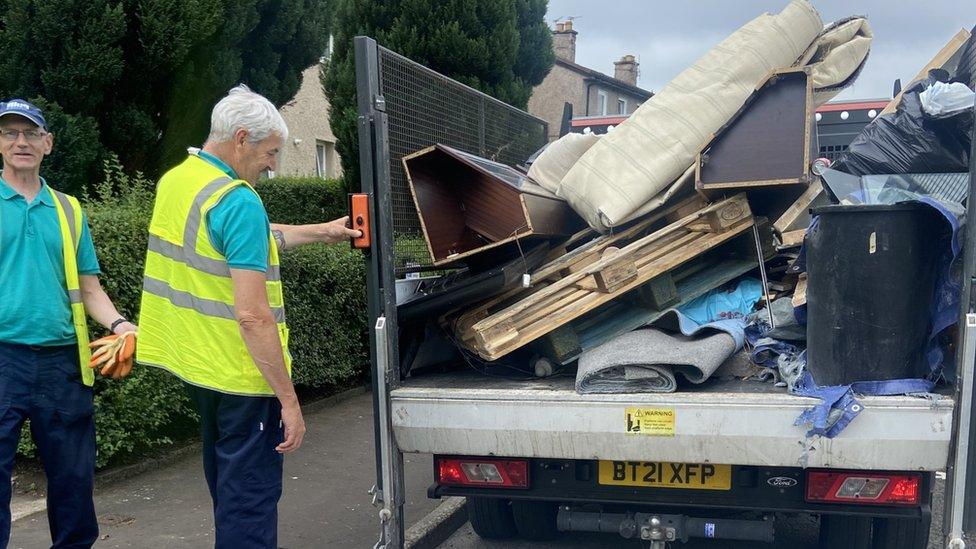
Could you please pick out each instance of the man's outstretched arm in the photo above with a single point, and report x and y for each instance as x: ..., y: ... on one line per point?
x: 333, y: 232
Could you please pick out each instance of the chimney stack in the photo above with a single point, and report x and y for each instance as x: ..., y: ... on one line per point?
x: 564, y: 41
x: 625, y: 70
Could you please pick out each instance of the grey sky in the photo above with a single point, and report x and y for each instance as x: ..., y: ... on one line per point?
x: 667, y: 36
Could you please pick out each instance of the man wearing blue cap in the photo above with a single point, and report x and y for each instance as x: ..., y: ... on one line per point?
x: 48, y: 281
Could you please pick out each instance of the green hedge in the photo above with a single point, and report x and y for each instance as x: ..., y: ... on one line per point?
x: 302, y: 200
x: 324, y: 295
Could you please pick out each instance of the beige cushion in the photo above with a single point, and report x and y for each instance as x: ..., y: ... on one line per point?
x: 624, y: 174
x: 551, y: 166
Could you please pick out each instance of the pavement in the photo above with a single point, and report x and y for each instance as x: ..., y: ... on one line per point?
x: 325, y: 501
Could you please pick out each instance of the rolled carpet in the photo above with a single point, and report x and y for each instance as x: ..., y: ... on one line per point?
x: 646, y: 360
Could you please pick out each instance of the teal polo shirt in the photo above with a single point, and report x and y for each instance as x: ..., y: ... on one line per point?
x: 238, y: 224
x: 34, y: 306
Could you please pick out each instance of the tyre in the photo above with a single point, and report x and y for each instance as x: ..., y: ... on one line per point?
x: 845, y: 532
x: 535, y: 520
x: 891, y: 533
x: 491, y: 518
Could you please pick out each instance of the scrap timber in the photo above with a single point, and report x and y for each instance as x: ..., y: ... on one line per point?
x: 599, y: 272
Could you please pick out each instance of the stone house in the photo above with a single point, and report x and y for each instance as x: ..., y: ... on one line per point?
x: 590, y: 92
x: 311, y: 146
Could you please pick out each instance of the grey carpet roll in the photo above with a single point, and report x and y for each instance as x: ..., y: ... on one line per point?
x: 646, y: 360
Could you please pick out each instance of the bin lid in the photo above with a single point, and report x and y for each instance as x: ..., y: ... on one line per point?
x: 872, y: 208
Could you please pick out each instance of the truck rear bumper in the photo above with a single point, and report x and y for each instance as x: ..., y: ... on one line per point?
x: 755, y: 489
x: 727, y: 424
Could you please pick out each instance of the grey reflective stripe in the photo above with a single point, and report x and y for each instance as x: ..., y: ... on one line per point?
x: 187, y: 254
x: 216, y: 267
x: 74, y: 296
x: 69, y: 214
x: 194, y: 219
x: 274, y: 272
x: 206, y: 307
x: 187, y: 300
x: 176, y: 252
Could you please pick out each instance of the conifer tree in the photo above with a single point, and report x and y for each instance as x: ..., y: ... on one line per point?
x: 139, y: 77
x: 501, y: 47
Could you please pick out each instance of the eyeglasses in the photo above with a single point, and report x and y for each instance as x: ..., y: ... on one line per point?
x: 30, y: 135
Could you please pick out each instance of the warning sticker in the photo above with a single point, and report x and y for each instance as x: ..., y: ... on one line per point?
x: 657, y: 422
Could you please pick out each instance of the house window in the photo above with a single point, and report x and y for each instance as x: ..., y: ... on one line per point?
x: 601, y: 102
x: 321, y: 160
x: 621, y: 106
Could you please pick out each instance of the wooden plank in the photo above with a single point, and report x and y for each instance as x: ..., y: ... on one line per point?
x: 686, y: 208
x: 581, y: 264
x: 496, y: 335
x: 679, y: 241
x: 799, y: 180
x: 416, y: 202
x: 800, y: 293
x: 940, y: 59
x: 799, y: 208
x: 598, y: 245
x: 792, y: 239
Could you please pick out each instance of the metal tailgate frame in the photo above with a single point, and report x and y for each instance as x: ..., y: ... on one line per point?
x: 425, y: 108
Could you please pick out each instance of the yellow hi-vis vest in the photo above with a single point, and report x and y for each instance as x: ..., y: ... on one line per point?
x: 187, y: 323
x: 70, y: 219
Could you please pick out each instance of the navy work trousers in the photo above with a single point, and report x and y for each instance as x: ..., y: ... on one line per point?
x: 44, y: 384
x: 243, y: 469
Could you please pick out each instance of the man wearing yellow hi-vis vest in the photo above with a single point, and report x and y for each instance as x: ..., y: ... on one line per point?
x: 213, y: 312
x: 48, y: 281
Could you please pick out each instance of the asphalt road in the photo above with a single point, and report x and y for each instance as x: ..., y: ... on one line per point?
x: 792, y: 532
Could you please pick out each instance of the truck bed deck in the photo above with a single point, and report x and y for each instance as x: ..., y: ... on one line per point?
x: 720, y: 421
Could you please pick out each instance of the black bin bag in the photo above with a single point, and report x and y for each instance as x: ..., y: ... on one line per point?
x: 910, y: 141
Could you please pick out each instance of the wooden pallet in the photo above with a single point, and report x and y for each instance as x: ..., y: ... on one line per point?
x: 597, y: 273
x: 644, y: 305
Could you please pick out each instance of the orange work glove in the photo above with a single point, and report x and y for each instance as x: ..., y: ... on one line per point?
x: 113, y: 354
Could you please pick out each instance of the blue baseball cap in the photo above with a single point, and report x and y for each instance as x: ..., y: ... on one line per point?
x: 23, y: 108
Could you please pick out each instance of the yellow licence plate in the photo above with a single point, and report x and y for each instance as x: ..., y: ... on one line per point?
x: 663, y: 474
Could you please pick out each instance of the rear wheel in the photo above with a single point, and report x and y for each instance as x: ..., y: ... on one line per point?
x: 491, y: 518
x: 891, y: 533
x: 535, y: 520
x: 845, y: 531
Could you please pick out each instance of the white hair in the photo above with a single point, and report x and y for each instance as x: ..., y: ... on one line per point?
x: 241, y: 108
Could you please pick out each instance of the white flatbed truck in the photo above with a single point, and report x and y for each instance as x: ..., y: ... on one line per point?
x: 534, y: 457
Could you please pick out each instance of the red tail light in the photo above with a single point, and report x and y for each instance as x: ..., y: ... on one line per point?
x: 494, y: 473
x: 863, y: 488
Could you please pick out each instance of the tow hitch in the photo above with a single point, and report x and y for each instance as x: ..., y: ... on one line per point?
x: 660, y: 529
